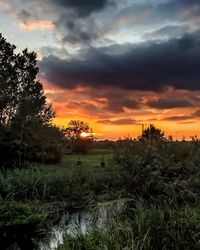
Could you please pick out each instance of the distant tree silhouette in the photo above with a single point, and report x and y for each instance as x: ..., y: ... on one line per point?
x: 76, y: 127
x: 76, y: 142
x: 152, y: 133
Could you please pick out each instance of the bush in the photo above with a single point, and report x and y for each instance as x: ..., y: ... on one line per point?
x: 159, y: 171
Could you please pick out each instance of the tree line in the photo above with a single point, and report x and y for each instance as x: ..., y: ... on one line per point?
x: 26, y: 117
x: 27, y: 133
x: 26, y: 130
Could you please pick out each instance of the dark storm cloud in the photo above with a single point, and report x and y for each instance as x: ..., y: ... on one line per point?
x: 117, y: 105
x: 183, y: 3
x: 90, y: 108
x: 82, y: 7
x: 75, y: 25
x: 169, y: 103
x: 144, y: 67
x: 76, y: 31
x: 186, y: 3
x: 113, y: 105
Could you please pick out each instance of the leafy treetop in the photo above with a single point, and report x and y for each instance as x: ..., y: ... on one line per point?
x: 21, y: 94
x: 75, y: 128
x: 152, y: 133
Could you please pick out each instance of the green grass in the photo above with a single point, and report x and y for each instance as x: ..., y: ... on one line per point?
x: 53, y: 182
x: 162, y: 180
x: 67, y: 183
x: 147, y: 227
x: 14, y: 213
x: 92, y: 160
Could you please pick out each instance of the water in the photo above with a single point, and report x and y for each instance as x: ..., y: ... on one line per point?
x: 80, y: 224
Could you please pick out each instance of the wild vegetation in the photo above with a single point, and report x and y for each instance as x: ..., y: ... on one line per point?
x: 66, y: 182
x: 162, y: 178
x: 46, y: 171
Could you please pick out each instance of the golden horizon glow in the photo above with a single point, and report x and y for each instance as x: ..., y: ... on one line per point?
x: 82, y: 103
x: 100, y: 69
x: 85, y: 135
x: 114, y: 132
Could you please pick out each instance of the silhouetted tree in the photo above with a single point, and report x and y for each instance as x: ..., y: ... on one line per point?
x: 152, y: 133
x: 76, y: 142
x: 21, y: 95
x: 25, y: 116
x: 76, y: 127
x: 43, y: 143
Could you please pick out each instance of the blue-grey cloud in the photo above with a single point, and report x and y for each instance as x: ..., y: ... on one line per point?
x: 83, y: 8
x: 144, y: 67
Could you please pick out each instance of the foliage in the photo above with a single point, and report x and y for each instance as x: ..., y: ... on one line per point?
x: 9, y: 147
x: 66, y: 182
x: 21, y: 95
x: 161, y: 171
x: 149, y: 228
x: 152, y: 133
x: 42, y: 143
x: 13, y: 213
x: 160, y: 176
x: 25, y: 116
x: 76, y: 142
x: 75, y: 128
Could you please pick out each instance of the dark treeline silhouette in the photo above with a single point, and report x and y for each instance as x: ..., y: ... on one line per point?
x: 152, y: 133
x: 79, y: 137
x: 26, y: 132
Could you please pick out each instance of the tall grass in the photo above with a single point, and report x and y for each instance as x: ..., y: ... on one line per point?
x: 161, y: 171
x: 67, y: 182
x: 163, y: 178
x: 149, y: 227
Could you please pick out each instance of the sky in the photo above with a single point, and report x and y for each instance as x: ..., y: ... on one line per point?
x: 115, y: 64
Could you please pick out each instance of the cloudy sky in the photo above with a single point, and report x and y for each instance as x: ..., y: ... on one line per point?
x: 116, y: 64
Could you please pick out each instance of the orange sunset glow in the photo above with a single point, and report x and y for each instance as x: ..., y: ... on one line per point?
x: 177, y: 122
x: 99, y: 124
x: 139, y: 65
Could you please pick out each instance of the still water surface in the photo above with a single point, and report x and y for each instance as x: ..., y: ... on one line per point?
x: 75, y: 224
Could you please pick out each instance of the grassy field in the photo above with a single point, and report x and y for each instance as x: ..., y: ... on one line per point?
x: 161, y: 178
x: 91, y: 160
x: 66, y: 186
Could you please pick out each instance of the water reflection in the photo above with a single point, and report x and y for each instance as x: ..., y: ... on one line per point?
x: 81, y: 223
x: 73, y: 225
